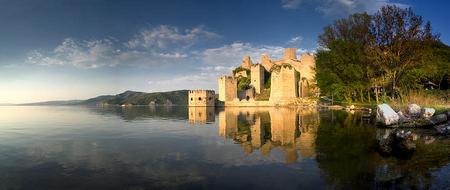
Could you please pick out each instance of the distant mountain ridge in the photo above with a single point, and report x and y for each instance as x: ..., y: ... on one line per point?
x: 179, y: 97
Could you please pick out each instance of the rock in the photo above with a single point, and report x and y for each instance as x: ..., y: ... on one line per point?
x: 428, y: 112
x: 414, y: 110
x: 440, y: 118
x: 386, y: 115
x: 443, y: 129
x: 402, y: 117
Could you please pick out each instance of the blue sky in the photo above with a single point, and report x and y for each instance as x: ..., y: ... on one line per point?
x: 68, y: 49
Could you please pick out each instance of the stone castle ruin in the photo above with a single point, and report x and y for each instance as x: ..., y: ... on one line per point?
x: 201, y: 98
x: 286, y: 81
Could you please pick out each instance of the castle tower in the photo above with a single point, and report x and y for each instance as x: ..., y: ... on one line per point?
x: 201, y: 98
x: 290, y: 53
x: 246, y: 62
x: 283, y: 84
x: 227, y: 88
x: 257, y: 77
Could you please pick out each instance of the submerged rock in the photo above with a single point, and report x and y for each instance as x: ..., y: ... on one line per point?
x: 386, y: 115
x: 397, y: 143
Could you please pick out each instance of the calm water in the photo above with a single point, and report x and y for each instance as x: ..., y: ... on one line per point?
x: 181, y: 148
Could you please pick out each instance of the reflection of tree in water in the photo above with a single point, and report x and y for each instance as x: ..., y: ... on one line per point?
x: 346, y: 153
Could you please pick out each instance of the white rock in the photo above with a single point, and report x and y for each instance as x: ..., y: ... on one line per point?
x: 386, y: 115
x: 414, y: 109
x: 428, y: 112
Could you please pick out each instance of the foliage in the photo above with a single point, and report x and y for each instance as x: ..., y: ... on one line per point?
x: 243, y: 83
x: 140, y: 98
x: 264, y: 95
x: 392, y: 49
x: 267, y: 79
x: 239, y: 69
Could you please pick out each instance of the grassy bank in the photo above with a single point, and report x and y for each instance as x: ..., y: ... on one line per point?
x: 437, y: 99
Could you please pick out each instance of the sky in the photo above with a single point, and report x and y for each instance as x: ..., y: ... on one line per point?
x: 78, y: 49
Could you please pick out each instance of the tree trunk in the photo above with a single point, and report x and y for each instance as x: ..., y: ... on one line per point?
x: 376, y: 94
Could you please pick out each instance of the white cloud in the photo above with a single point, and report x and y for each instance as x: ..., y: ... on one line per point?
x: 290, y: 4
x: 149, y: 47
x: 295, y: 41
x: 343, y: 7
x: 165, y: 36
x: 86, y: 54
x: 232, y: 54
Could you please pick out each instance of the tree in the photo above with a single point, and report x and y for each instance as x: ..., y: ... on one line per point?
x: 341, y: 65
x: 399, y: 43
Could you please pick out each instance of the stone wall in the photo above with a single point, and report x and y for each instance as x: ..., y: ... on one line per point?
x: 257, y: 78
x: 246, y: 94
x: 201, y: 98
x: 283, y: 84
x: 227, y: 88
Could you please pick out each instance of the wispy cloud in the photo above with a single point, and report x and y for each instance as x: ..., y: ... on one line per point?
x: 148, y: 47
x: 295, y: 41
x: 343, y: 7
x: 165, y: 36
x: 85, y: 54
x: 290, y: 4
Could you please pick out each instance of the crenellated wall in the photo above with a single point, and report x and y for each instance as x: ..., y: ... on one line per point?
x: 201, y: 98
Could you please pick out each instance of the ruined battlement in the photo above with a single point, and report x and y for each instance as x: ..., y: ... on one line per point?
x: 290, y: 53
x: 290, y: 78
x: 246, y: 62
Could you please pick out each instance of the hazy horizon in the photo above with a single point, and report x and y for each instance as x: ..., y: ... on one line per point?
x: 66, y: 50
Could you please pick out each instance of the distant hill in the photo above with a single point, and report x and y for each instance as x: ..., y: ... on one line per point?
x: 179, y: 97
x: 53, y: 103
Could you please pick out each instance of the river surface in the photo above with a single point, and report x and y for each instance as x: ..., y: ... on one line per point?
x: 205, y: 148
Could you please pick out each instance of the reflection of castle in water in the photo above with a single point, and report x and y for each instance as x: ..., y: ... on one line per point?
x: 264, y: 129
x: 201, y: 115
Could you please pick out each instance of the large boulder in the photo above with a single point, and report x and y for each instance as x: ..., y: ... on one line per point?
x: 414, y: 110
x: 386, y: 115
x: 428, y: 112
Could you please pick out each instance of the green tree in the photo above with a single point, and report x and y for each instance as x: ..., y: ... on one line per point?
x: 400, y: 42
